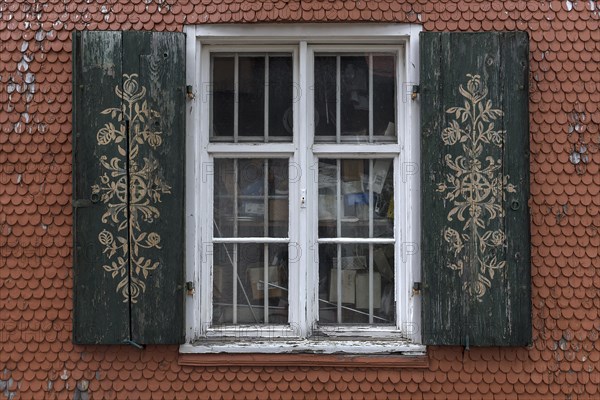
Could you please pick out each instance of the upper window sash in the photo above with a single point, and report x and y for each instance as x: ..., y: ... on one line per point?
x: 376, y: 138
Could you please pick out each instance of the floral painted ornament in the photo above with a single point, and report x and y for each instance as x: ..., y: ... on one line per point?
x: 130, y: 189
x: 476, y: 188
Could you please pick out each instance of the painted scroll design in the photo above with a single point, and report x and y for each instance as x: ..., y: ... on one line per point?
x: 140, y: 183
x: 476, y: 188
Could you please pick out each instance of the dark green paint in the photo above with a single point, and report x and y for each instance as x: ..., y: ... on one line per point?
x: 100, y: 60
x: 157, y: 316
x: 450, y: 315
x: 100, y: 315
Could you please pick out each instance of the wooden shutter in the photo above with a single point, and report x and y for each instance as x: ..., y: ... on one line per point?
x: 128, y: 174
x: 475, y: 187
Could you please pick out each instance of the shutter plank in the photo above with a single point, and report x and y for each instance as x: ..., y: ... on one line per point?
x: 447, y: 315
x: 100, y: 314
x: 516, y: 165
x: 476, y: 268
x: 156, y: 184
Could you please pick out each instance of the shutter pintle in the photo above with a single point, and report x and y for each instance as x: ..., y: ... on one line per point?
x: 134, y: 344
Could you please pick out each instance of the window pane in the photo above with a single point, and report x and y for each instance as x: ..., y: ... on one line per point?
x: 366, y: 281
x: 355, y: 97
x: 251, y: 198
x: 350, y: 206
x: 222, y: 96
x: 250, y: 284
x: 252, y: 97
x: 384, y: 95
x: 354, y: 101
x: 325, y: 96
x: 281, y: 93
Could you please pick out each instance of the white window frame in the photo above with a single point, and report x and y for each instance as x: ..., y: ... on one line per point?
x: 301, y: 39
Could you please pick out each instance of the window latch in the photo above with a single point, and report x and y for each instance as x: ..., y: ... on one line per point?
x: 303, y: 198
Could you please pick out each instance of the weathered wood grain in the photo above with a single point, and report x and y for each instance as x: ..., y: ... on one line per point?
x: 157, y: 315
x: 128, y: 173
x: 475, y: 186
x: 100, y: 315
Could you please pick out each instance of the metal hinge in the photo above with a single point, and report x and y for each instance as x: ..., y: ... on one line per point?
x: 415, y: 90
x: 82, y: 203
x: 189, y: 91
x: 416, y: 288
x: 190, y: 287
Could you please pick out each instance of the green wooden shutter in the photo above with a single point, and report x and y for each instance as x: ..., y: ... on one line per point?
x: 475, y: 187
x: 128, y: 175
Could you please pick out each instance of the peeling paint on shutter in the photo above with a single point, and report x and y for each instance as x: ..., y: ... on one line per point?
x: 128, y: 161
x: 475, y: 182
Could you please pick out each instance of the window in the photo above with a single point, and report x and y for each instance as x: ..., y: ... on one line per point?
x: 305, y: 192
x: 282, y: 163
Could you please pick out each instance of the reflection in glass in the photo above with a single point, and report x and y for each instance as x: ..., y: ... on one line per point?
x: 356, y: 280
x: 252, y: 97
x: 356, y: 198
x: 222, y: 96
x: 251, y: 198
x: 247, y: 288
x: 355, y: 97
x: 281, y: 121
x: 325, y: 96
x: 250, y: 284
x: 384, y: 95
x: 366, y: 281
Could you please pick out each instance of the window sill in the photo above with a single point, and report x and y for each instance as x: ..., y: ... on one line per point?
x: 339, y: 353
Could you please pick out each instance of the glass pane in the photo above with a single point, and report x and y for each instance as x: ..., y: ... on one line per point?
x: 250, y: 284
x: 355, y: 97
x: 384, y: 96
x: 252, y: 96
x: 325, y: 96
x: 354, y: 102
x: 278, y: 208
x: 222, y: 96
x: 328, y: 205
x: 366, y: 281
x: 349, y: 206
x: 281, y: 92
x: 224, y: 207
x: 355, y: 198
x: 383, y: 198
x: 251, y: 198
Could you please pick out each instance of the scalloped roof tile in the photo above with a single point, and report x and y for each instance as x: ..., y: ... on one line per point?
x: 36, y: 217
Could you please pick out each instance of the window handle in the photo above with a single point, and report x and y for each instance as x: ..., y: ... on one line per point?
x: 303, y: 198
